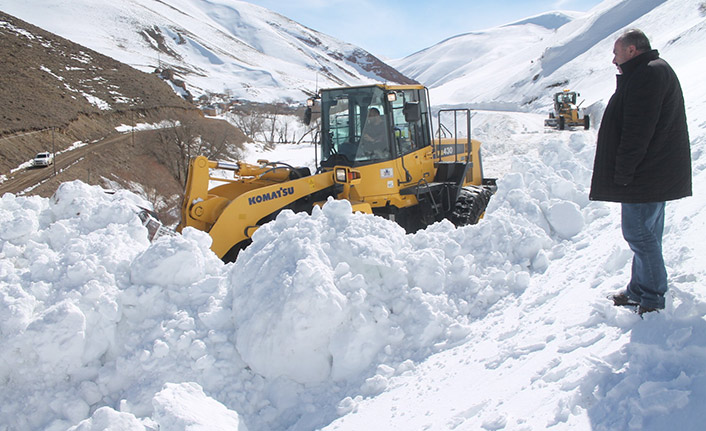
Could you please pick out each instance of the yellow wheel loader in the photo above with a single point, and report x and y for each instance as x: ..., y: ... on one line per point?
x: 376, y: 151
x: 566, y: 112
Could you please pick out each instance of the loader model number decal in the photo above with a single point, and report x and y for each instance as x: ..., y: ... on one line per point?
x: 282, y: 192
x: 451, y: 149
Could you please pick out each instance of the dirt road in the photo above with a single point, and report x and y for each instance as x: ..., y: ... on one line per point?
x: 25, y: 179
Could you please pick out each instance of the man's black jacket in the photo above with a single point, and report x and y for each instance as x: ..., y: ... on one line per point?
x: 643, y: 152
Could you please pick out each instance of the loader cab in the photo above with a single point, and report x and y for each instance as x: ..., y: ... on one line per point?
x: 372, y: 124
x: 566, y: 97
x: 563, y: 99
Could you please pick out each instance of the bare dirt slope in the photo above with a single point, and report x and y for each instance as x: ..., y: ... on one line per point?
x: 55, y: 93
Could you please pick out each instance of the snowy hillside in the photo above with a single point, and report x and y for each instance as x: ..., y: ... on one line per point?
x: 519, y: 66
x: 225, y: 46
x: 340, y: 321
x: 482, y: 54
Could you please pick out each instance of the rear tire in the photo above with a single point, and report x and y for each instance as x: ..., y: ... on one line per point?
x: 586, y: 122
x: 562, y: 123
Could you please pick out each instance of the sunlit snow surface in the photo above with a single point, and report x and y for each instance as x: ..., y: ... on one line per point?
x: 340, y: 321
x: 503, y: 324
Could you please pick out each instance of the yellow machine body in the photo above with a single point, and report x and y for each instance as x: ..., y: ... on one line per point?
x: 409, y: 177
x: 567, y: 112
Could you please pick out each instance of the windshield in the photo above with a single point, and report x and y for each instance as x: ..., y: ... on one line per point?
x: 566, y: 98
x: 355, y: 124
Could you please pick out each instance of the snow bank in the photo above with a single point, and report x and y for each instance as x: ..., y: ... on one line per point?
x: 320, y: 307
x: 326, y: 312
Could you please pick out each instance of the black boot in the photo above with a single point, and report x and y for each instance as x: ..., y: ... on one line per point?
x: 621, y: 299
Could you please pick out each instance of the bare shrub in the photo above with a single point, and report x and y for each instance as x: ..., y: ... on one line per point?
x: 185, y: 139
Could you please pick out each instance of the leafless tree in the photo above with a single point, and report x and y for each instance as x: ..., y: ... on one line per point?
x: 313, y: 129
x: 182, y: 141
x: 251, y: 123
x: 263, y: 123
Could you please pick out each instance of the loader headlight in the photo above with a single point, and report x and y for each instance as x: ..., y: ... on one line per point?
x: 344, y: 175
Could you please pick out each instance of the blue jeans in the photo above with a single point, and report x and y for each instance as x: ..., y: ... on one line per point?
x: 643, y: 225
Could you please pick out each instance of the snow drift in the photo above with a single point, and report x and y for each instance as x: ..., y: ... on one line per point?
x: 329, y: 314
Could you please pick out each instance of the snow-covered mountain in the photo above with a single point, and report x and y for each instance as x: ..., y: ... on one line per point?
x: 483, y: 51
x: 518, y: 66
x: 227, y: 47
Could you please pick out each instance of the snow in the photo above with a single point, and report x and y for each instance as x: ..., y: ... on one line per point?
x: 224, y: 47
x: 126, y: 128
x: 341, y: 321
x: 519, y: 66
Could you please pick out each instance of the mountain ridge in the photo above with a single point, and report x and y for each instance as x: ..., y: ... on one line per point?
x: 518, y: 67
x: 229, y: 48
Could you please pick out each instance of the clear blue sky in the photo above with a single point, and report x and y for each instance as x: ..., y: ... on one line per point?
x: 397, y: 28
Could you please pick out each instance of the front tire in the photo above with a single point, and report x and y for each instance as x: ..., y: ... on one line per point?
x: 232, y: 254
x: 470, y: 205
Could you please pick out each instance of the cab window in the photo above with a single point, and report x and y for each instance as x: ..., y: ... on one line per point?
x: 356, y: 126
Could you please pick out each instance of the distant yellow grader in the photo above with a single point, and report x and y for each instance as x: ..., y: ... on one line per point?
x: 376, y: 151
x: 566, y: 112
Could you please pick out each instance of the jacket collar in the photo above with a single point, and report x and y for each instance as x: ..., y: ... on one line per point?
x: 629, y: 66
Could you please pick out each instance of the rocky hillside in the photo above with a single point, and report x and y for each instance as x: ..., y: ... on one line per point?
x: 56, y: 94
x: 48, y: 81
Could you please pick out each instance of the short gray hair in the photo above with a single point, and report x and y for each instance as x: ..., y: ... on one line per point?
x: 635, y: 38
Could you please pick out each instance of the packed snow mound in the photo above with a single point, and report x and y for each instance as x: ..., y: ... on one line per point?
x: 333, y: 303
x: 335, y: 290
x: 323, y: 313
x: 177, y: 407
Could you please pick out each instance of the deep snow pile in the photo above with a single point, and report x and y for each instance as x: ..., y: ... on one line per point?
x: 341, y: 314
x: 319, y: 307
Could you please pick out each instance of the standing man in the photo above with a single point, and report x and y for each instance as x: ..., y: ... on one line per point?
x: 643, y: 159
